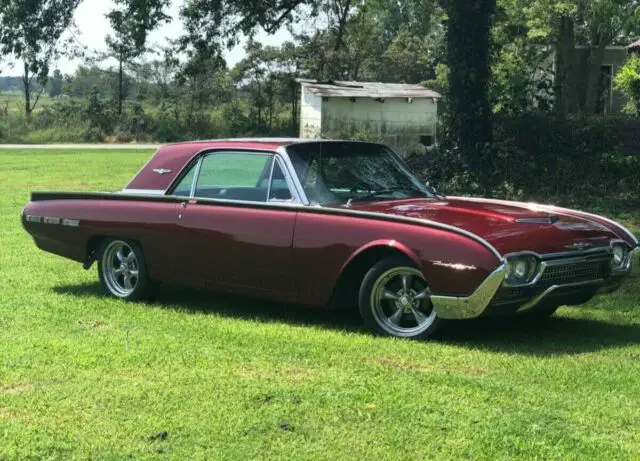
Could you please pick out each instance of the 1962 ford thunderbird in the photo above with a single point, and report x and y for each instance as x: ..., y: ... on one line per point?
x: 331, y: 223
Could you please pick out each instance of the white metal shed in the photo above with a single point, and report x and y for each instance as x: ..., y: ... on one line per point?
x: 402, y: 115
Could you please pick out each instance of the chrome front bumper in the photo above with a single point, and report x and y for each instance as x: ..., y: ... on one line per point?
x: 448, y: 307
x: 478, y: 303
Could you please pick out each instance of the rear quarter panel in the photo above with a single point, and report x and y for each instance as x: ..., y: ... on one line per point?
x: 145, y: 222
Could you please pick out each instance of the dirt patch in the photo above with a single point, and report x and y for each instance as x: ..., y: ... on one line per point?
x: 15, y: 388
x: 93, y: 324
x: 7, y: 413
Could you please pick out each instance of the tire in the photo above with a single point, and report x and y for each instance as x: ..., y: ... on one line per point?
x: 395, y: 301
x: 123, y: 271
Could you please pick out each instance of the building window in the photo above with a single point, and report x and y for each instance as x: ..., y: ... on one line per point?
x: 426, y: 140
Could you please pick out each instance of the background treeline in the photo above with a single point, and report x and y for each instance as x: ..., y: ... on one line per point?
x: 511, y: 119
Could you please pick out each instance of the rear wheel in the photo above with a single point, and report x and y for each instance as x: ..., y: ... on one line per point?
x: 122, y: 270
x: 395, y: 300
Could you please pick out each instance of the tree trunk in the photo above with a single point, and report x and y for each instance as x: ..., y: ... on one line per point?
x: 120, y: 85
x: 468, y: 40
x: 259, y: 105
x: 270, y: 95
x: 564, y: 57
x: 294, y: 107
x: 592, y: 91
x: 26, y: 83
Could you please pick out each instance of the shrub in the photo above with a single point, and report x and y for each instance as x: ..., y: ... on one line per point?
x: 540, y: 158
x: 627, y: 81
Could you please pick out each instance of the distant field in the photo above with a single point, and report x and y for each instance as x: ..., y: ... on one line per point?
x: 196, y: 375
x: 14, y: 101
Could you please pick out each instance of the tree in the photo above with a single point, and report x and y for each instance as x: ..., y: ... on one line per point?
x: 605, y: 22
x: 521, y: 63
x: 594, y: 24
x: 55, y: 84
x: 31, y: 33
x: 627, y: 81
x: 132, y: 21
x: 468, y: 39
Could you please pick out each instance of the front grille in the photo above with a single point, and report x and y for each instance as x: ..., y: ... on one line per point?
x: 575, y: 272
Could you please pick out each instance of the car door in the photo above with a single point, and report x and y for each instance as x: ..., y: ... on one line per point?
x: 236, y: 225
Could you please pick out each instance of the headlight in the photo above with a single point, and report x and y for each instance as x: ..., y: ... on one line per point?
x: 521, y: 269
x: 620, y: 253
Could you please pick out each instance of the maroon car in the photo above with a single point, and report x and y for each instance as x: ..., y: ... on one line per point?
x: 331, y: 224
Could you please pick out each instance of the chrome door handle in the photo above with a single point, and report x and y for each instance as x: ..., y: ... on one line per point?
x: 183, y: 204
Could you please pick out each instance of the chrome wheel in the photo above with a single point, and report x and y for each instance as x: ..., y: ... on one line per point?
x: 400, y: 302
x: 120, y: 269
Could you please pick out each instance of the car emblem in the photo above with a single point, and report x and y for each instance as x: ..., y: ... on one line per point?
x: 579, y: 246
x: 161, y: 171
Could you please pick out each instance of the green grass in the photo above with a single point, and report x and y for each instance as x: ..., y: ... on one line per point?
x: 83, y: 376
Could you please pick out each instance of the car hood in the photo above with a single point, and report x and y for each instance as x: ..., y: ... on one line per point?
x: 509, y: 228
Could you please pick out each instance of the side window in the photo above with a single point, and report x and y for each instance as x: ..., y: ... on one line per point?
x: 233, y: 177
x: 183, y: 189
x: 279, y: 187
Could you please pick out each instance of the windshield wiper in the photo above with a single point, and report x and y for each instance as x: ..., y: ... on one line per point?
x: 376, y: 193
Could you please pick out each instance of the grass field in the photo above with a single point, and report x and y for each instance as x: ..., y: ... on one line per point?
x: 196, y: 375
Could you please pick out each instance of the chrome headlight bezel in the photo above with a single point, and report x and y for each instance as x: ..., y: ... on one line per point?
x: 621, y: 256
x: 521, y: 269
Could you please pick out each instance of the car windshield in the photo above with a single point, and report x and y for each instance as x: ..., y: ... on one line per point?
x: 348, y: 172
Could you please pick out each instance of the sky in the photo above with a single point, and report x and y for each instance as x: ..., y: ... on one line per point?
x: 94, y: 27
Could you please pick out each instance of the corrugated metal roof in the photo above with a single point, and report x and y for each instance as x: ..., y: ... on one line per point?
x: 342, y: 89
x: 634, y: 45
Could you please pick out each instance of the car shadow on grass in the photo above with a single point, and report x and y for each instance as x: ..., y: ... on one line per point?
x: 190, y: 300
x: 559, y: 335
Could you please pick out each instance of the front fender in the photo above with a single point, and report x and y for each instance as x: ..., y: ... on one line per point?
x: 382, y: 243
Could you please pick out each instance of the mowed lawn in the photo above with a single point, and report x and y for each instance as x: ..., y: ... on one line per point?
x: 196, y: 375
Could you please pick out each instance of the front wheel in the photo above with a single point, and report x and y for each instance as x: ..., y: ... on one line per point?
x: 395, y: 300
x: 122, y: 270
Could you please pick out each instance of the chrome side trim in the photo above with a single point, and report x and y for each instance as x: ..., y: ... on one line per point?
x: 32, y: 218
x: 450, y: 307
x: 273, y: 166
x: 538, y: 299
x: 292, y: 177
x: 142, y: 192
x: 52, y: 220
x: 455, y: 266
x: 71, y: 222
x: 196, y: 176
x: 297, y: 198
x: 40, y: 196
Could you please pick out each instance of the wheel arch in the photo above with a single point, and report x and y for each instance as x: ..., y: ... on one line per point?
x: 352, y: 272
x: 95, y: 242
